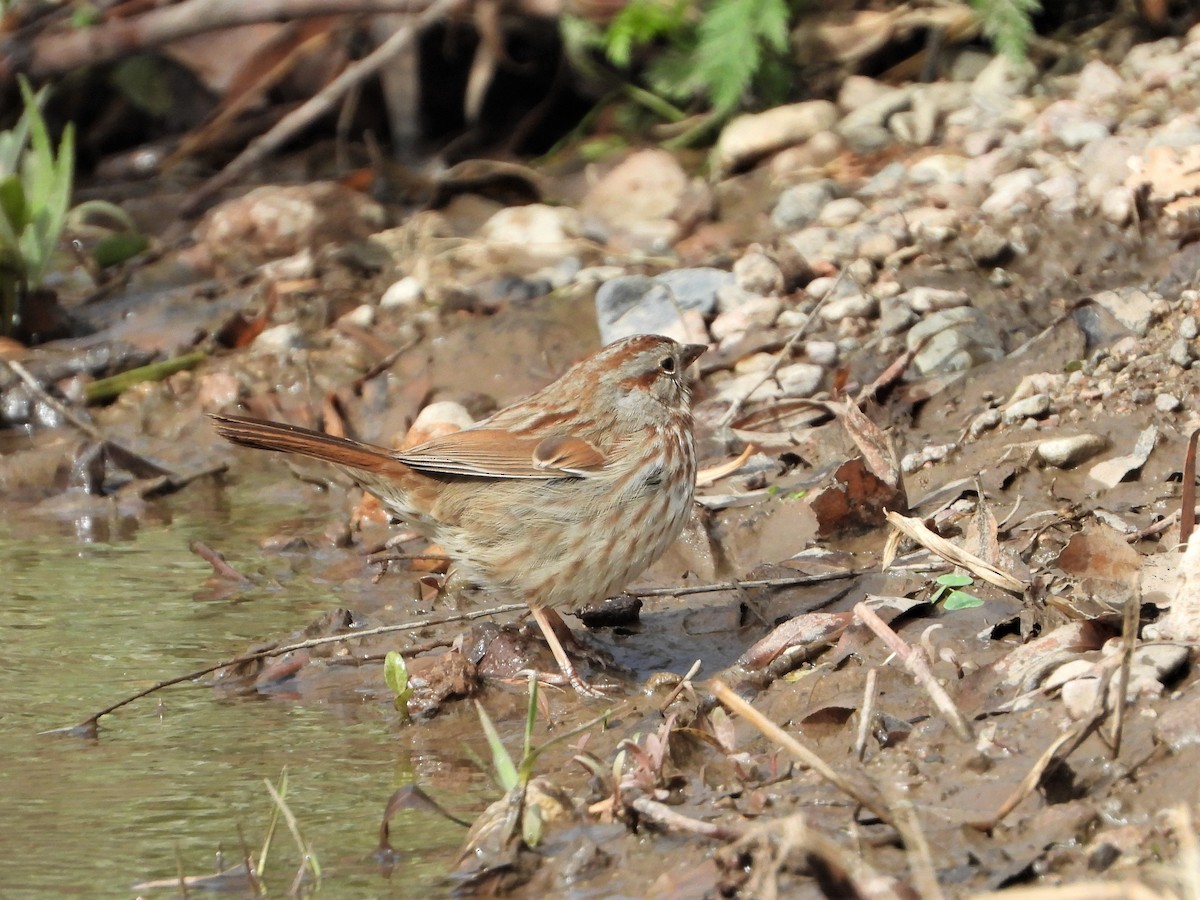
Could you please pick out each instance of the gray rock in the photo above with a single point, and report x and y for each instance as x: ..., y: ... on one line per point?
x: 1189, y: 327
x: 1167, y: 403
x: 885, y: 182
x: 1098, y: 82
x: 751, y: 137
x: 1132, y: 307
x: 862, y: 306
x: 895, y: 316
x: 1036, y: 406
x: 1063, y: 193
x: 635, y: 304
x: 928, y: 299
x: 801, y: 204
x: 1068, y: 452
x: 938, y: 168
x: 989, y: 247
x: 865, y: 127
x: 839, y: 213
x: 732, y: 296
x: 757, y: 273
x: 1116, y: 205
x: 279, y: 338
x: 408, y: 291
x: 931, y: 453
x: 876, y: 245
x: 1007, y: 190
x: 954, y: 340
x: 759, y: 312
x: 821, y: 353
x: 1000, y: 81
x: 1181, y: 353
x: 1081, y: 132
x: 795, y: 380
x: 814, y: 244
x: 695, y: 288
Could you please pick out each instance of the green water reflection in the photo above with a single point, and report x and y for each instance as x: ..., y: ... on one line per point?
x: 173, y: 777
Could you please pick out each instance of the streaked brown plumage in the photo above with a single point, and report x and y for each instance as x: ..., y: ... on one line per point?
x: 561, y: 498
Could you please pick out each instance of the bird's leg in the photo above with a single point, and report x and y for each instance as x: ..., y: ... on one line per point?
x: 542, y: 616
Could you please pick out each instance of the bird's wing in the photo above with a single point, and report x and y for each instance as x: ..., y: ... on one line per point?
x: 497, y: 453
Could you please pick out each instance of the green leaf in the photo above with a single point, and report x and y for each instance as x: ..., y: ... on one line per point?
x: 960, y: 600
x: 14, y: 211
x: 116, y: 248
x: 954, y: 580
x: 506, y: 771
x: 395, y: 672
x: 531, y: 824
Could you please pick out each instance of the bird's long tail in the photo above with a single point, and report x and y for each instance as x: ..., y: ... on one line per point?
x: 264, y: 435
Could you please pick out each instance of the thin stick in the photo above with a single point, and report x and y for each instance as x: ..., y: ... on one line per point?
x: 665, y: 817
x: 88, y: 725
x: 684, y: 682
x: 1129, y: 628
x: 863, y: 795
x: 743, y: 585
x: 916, y: 847
x: 917, y: 664
x: 1066, y: 743
x: 319, y: 104
x: 777, y: 362
x: 865, y: 714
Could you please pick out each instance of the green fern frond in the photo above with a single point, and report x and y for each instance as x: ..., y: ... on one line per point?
x: 732, y: 36
x: 1008, y: 24
x: 642, y: 22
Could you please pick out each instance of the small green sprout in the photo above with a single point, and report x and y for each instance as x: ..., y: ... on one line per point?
x: 949, y: 592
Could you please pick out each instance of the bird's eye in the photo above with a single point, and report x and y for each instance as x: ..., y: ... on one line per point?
x: 667, y: 364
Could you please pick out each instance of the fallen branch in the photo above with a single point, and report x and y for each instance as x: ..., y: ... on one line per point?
x: 1060, y: 748
x: 954, y: 554
x: 670, y: 820
x: 863, y: 795
x: 918, y: 665
x: 788, y: 581
x: 87, y: 728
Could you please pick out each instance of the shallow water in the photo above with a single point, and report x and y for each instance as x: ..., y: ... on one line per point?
x: 179, y: 774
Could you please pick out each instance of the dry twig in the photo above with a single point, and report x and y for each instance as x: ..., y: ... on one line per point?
x: 918, y: 665
x: 87, y: 727
x: 861, y: 794
x: 954, y: 554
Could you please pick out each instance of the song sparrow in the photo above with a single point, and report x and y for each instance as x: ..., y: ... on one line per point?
x: 560, y: 498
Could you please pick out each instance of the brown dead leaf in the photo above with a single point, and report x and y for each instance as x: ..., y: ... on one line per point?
x: 812, y: 631
x: 1100, y: 552
x: 855, y: 501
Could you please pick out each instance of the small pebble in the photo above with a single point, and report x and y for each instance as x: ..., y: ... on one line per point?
x: 1167, y: 403
x: 1189, y: 328
x: 1035, y: 407
x: 1181, y: 353
x: 823, y: 353
x: 278, y: 338
x: 363, y: 316
x: 405, y: 292
x: 1068, y: 452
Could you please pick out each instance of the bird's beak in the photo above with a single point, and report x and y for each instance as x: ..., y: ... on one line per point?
x: 691, y: 353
